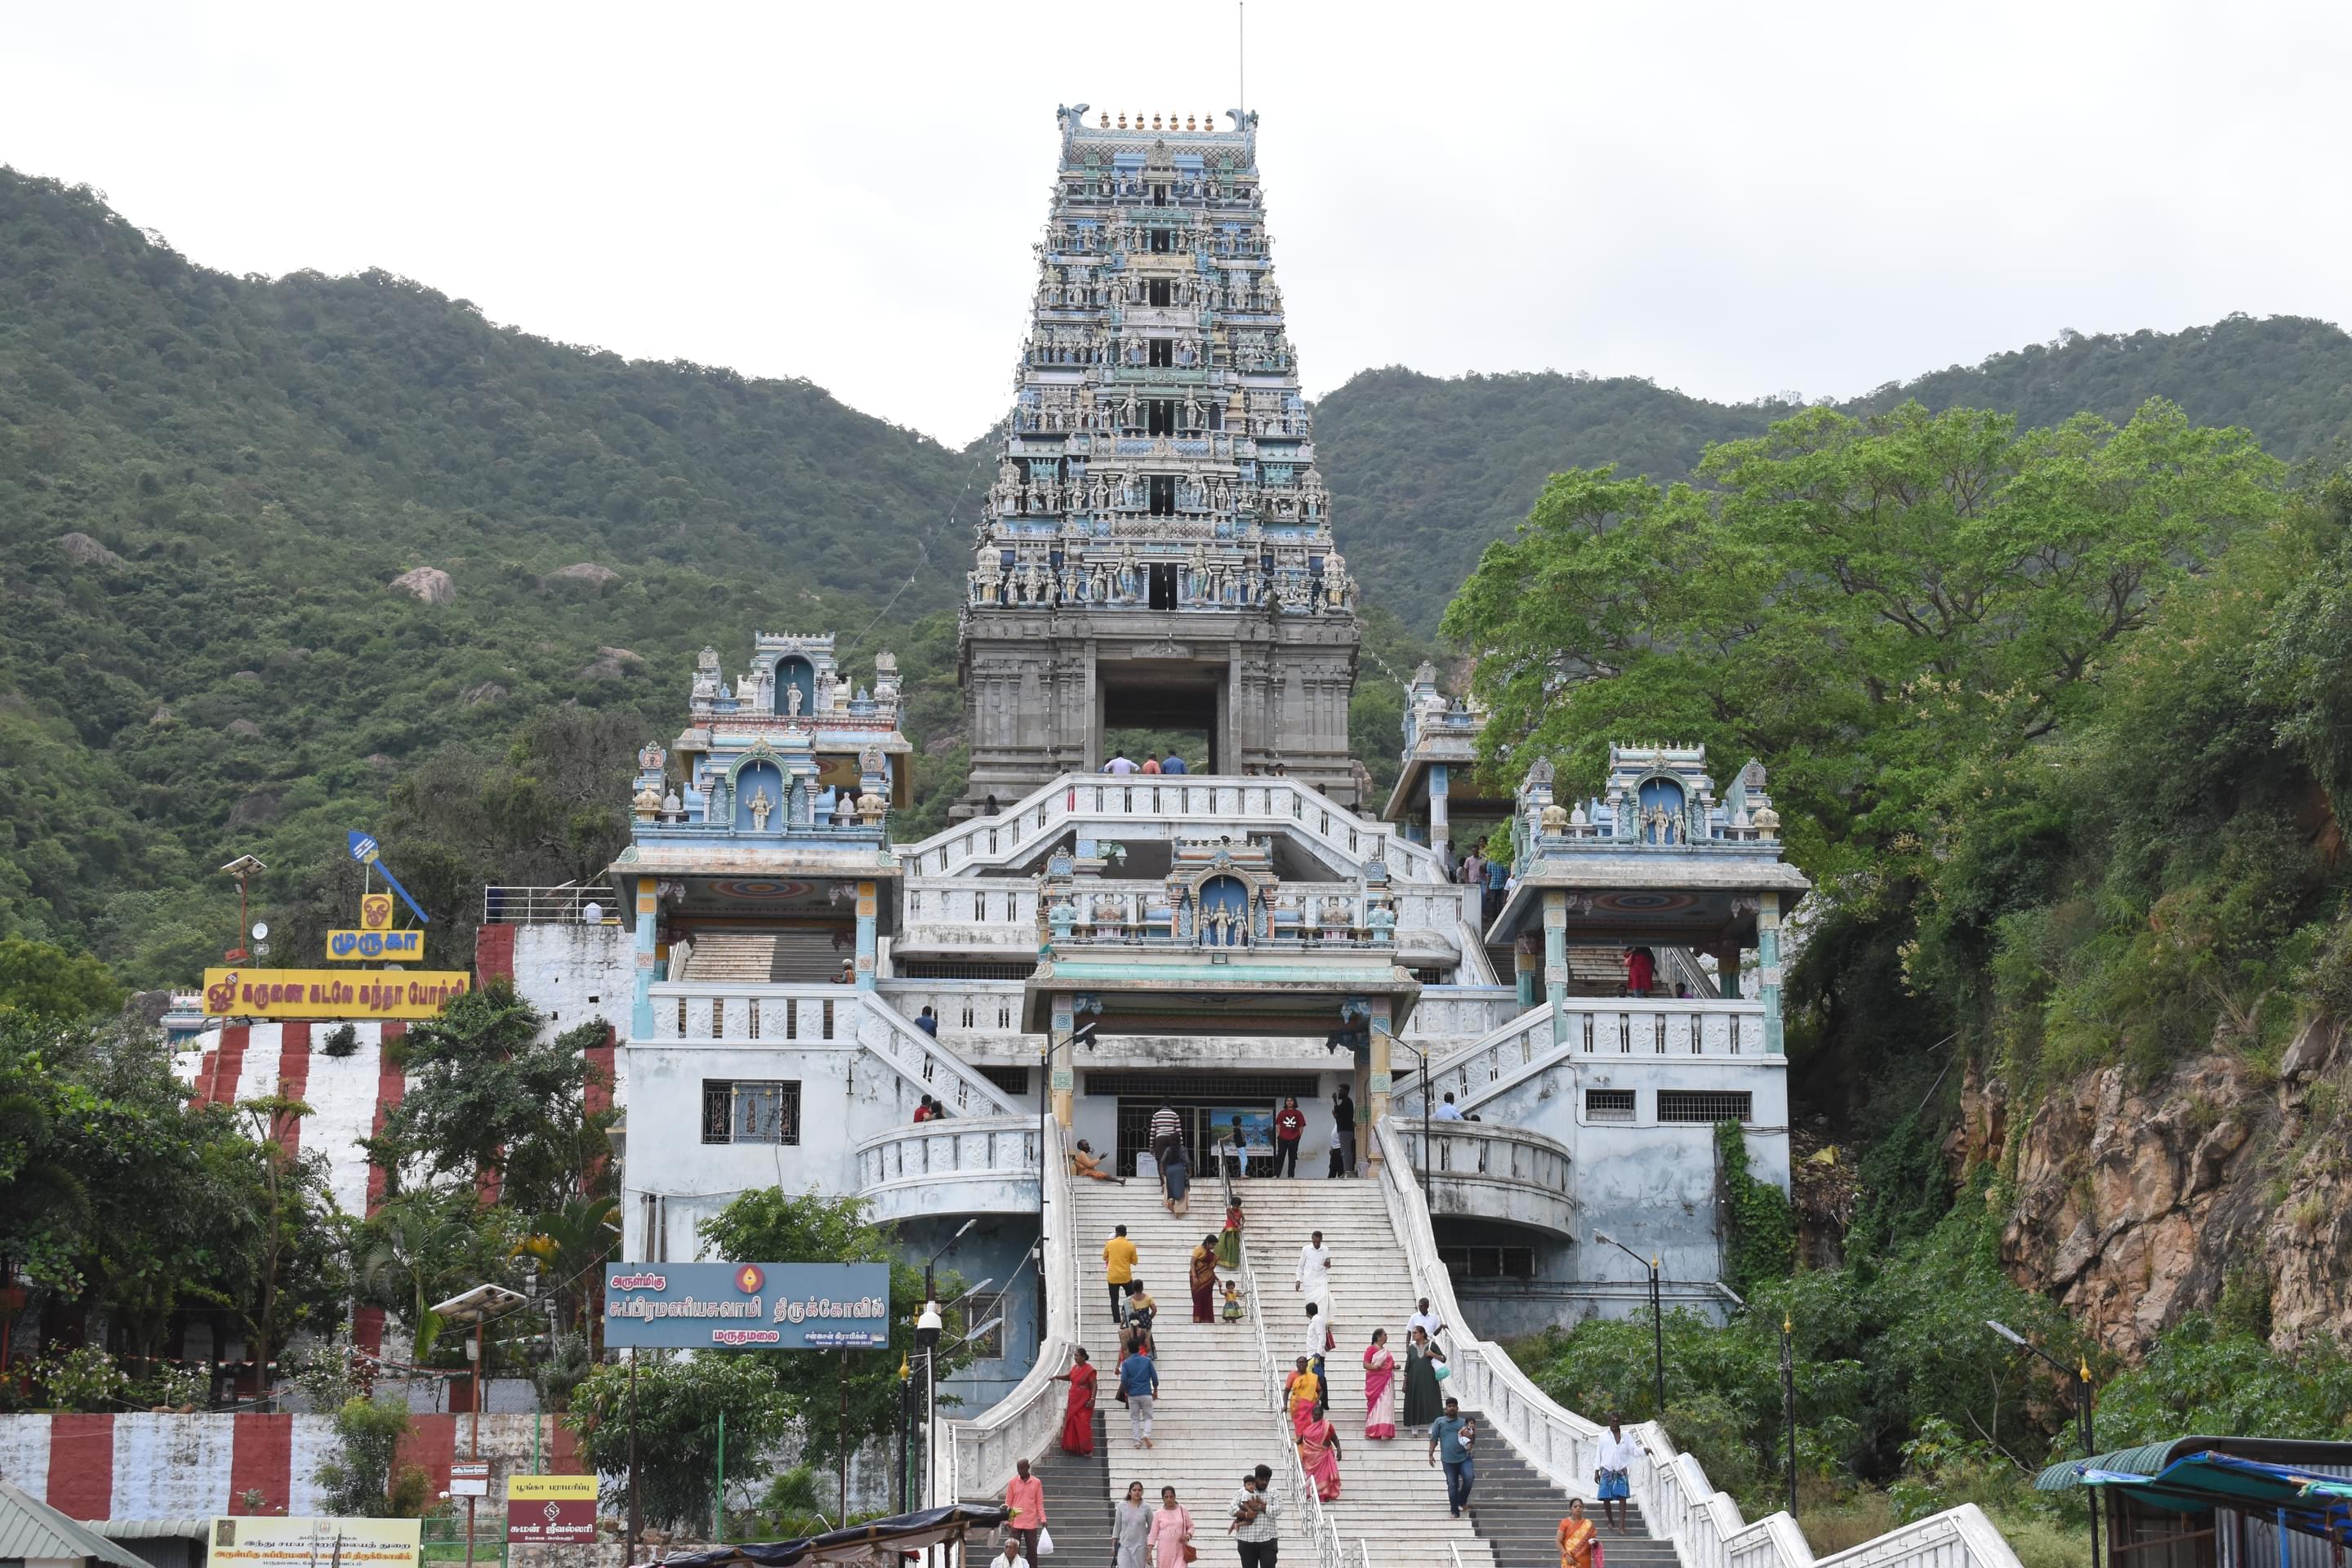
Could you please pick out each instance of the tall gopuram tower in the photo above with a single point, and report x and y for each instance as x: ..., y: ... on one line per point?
x: 1156, y: 551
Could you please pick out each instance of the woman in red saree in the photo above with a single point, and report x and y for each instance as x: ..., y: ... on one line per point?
x: 1078, y: 1414
x: 1379, y: 1387
x: 1318, y: 1453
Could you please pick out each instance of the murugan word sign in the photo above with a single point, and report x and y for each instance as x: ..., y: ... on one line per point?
x: 746, y: 1306
x: 330, y: 992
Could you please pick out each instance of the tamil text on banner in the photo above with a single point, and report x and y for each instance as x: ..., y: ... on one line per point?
x: 746, y: 1306
x: 259, y: 1541
x: 330, y: 992
x: 345, y: 945
x: 551, y: 1509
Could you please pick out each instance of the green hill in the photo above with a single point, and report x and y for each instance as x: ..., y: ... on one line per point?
x: 1425, y: 472
x: 207, y: 482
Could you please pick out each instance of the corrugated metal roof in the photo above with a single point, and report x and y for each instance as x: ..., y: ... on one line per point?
x: 2144, y: 1460
x: 31, y: 1528
x: 151, y: 1529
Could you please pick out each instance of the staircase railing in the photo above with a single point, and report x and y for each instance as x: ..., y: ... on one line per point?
x: 1322, y: 1533
x: 1678, y: 1502
x: 977, y: 1457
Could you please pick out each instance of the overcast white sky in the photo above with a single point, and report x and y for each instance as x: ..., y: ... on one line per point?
x: 1732, y: 199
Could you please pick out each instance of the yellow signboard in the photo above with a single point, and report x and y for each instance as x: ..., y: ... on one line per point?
x: 331, y: 993
x: 261, y: 1540
x: 535, y: 1489
x: 376, y: 912
x: 348, y: 946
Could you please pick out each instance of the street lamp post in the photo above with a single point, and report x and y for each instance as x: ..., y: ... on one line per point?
x: 905, y: 1433
x: 2080, y: 1377
x: 477, y: 1307
x: 927, y: 1340
x: 1657, y: 1322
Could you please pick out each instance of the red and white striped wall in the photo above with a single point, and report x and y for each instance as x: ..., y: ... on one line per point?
x: 190, y: 1467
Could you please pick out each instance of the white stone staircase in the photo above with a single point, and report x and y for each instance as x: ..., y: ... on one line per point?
x: 1390, y: 1497
x: 1211, y: 1422
x: 731, y: 957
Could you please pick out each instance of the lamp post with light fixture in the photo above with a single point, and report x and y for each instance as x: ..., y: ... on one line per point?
x: 2080, y: 1377
x: 477, y: 1307
x: 1657, y: 1320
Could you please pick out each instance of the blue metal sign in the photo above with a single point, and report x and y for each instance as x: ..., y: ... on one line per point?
x: 746, y: 1306
x: 363, y: 851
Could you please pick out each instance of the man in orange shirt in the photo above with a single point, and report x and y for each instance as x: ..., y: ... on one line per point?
x: 1024, y: 1499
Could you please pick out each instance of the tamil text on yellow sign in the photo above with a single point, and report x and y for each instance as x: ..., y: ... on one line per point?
x: 259, y: 1540
x: 344, y: 946
x: 331, y: 993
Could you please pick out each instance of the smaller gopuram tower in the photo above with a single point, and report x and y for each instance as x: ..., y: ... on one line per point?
x: 1156, y: 552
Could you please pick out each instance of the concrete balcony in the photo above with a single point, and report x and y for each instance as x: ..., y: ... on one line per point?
x: 961, y: 1165
x: 1486, y: 1171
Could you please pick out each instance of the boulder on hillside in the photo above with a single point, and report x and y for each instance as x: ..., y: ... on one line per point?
x: 586, y: 574
x: 87, y: 551
x: 488, y: 691
x: 429, y: 583
x: 257, y: 808
x: 246, y: 728
x: 609, y: 661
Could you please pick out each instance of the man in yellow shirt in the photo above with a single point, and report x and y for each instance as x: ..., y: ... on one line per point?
x: 1119, y: 1265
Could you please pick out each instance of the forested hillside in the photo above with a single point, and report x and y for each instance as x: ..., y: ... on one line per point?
x: 1425, y: 472
x: 207, y: 484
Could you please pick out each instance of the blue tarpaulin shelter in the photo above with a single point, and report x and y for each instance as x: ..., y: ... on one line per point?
x: 881, y: 1540
x: 2183, y: 1476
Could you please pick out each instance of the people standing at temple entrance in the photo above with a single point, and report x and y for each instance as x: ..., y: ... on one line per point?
x: 1150, y: 762
x: 1167, y: 1131
x: 1640, y: 971
x: 1173, y: 763
x: 1176, y: 1180
x: 1289, y: 1126
x: 1120, y: 763
x: 1343, y: 1132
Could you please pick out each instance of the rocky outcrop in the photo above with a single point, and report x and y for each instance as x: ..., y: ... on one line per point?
x: 2137, y: 1202
x: 429, y: 583
x: 609, y: 661
x: 87, y: 551
x: 584, y: 574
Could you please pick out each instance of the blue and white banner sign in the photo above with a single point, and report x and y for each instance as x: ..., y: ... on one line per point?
x: 746, y: 1306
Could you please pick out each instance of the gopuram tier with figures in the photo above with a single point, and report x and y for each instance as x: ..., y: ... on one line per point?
x: 1156, y: 552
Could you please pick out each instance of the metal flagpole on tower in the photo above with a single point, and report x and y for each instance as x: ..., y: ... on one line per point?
x: 1241, y: 40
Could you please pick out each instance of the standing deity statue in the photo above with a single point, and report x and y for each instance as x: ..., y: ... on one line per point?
x: 1192, y: 414
x: 760, y: 805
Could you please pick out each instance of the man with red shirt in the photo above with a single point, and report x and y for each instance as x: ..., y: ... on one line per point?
x: 1289, y: 1126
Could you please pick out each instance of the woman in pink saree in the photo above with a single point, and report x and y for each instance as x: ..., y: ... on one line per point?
x: 1379, y: 1388
x: 1318, y: 1453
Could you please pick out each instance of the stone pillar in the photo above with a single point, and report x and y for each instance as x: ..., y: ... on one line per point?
x: 641, y: 1016
x: 865, y: 952
x: 1555, y: 972
x: 1441, y: 831
x: 1378, y: 1080
x: 1058, y: 1062
x: 1526, y: 972
x: 1768, y: 967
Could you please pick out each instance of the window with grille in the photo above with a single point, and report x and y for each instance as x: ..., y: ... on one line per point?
x: 984, y: 1311
x: 1465, y: 1263
x: 745, y: 1111
x: 1011, y: 1080
x: 1709, y: 1106
x: 1609, y: 1105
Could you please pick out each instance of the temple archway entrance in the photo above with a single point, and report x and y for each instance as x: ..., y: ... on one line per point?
x: 1160, y: 705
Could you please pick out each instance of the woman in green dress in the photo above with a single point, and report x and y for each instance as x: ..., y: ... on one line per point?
x: 1421, y: 1404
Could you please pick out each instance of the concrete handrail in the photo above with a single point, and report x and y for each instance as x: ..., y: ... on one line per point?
x: 979, y: 1455
x: 1677, y: 1500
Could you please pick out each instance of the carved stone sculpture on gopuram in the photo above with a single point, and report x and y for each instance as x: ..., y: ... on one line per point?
x: 1156, y: 552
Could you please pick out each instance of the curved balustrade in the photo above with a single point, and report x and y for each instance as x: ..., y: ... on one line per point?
x: 1493, y: 1171
x: 1597, y: 1030
x: 975, y: 1459
x: 1162, y: 799
x: 981, y: 1165
x: 966, y: 1011
x: 1677, y: 1500
x: 814, y: 1017
x: 1462, y: 1012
